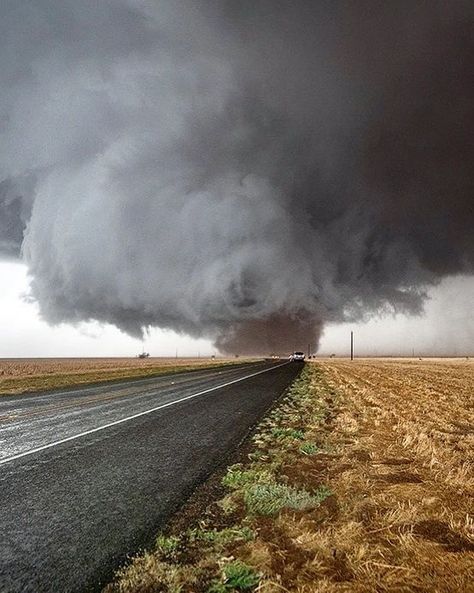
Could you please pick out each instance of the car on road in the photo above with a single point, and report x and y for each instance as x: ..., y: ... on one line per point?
x: 297, y: 357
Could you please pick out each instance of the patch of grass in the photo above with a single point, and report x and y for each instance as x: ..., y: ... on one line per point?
x: 288, y: 433
x: 309, y: 448
x: 236, y: 576
x: 256, y: 484
x: 167, y: 546
x: 270, y: 499
x: 257, y: 455
x: 222, y: 537
x: 236, y: 477
x: 228, y: 504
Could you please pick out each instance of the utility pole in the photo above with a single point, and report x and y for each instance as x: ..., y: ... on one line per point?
x: 352, y: 345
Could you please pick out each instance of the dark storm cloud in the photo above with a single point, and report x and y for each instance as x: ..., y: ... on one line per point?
x: 11, y: 223
x: 240, y: 170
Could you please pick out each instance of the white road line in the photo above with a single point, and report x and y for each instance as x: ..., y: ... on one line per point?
x: 126, y: 383
x: 177, y: 401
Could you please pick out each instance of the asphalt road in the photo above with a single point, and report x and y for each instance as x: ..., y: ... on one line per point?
x: 88, y: 476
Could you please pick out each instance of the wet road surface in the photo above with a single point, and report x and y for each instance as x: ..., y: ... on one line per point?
x: 88, y: 475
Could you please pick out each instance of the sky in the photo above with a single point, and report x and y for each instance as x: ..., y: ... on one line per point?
x: 251, y: 174
x: 24, y: 334
x: 444, y: 328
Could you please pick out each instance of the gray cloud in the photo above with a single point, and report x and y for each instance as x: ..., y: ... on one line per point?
x: 244, y: 171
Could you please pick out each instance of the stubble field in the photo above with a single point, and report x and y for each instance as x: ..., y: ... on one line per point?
x: 404, y: 431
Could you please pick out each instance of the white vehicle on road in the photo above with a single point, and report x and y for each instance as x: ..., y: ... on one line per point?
x: 297, y: 356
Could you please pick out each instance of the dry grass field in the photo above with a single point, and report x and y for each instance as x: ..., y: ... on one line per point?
x: 402, y: 473
x: 361, y: 480
x: 36, y: 374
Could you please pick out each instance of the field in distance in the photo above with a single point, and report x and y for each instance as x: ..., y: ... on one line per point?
x: 22, y: 375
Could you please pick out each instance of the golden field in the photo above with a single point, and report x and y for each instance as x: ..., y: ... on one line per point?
x: 36, y: 374
x: 360, y: 481
x: 403, y: 475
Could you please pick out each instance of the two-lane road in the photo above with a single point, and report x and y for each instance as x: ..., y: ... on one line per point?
x: 89, y: 475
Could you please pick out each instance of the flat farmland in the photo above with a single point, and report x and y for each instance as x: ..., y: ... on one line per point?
x: 360, y: 481
x: 400, y: 438
x: 37, y: 374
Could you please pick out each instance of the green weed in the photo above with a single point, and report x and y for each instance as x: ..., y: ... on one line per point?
x: 167, y: 546
x: 309, y: 448
x: 270, y: 499
x: 222, y: 537
x: 236, y: 576
x: 236, y: 477
x: 291, y: 433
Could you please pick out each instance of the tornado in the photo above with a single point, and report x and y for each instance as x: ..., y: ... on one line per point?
x: 241, y: 171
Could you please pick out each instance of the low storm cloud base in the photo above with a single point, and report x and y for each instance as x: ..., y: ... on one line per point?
x: 244, y: 171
